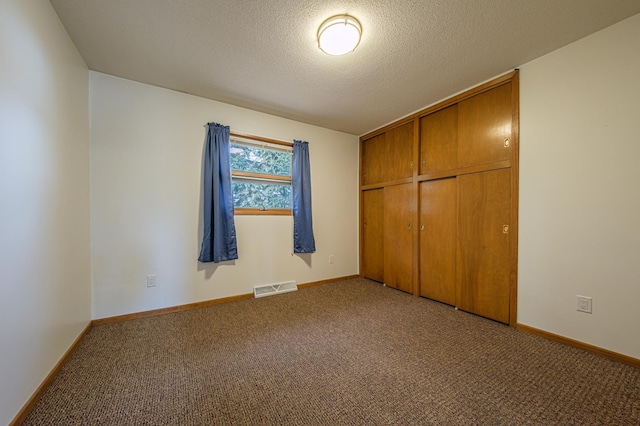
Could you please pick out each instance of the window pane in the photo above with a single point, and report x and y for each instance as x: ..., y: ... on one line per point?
x: 260, y: 160
x: 261, y: 195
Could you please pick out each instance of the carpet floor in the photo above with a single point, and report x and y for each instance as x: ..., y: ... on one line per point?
x: 347, y: 353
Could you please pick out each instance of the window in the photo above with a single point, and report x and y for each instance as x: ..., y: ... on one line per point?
x: 261, y: 175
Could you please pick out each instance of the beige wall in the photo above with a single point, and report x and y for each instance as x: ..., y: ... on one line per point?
x: 579, y: 189
x: 146, y: 161
x: 45, y: 282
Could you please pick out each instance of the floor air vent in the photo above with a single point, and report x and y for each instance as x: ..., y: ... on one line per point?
x: 271, y: 289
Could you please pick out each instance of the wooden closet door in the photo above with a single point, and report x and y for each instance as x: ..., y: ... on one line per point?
x: 484, y: 127
x: 398, y: 237
x: 439, y: 141
x: 374, y: 160
x: 438, y: 236
x: 483, y: 263
x: 399, y: 152
x: 372, y: 234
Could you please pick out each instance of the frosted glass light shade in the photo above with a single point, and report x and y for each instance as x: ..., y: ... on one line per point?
x: 339, y: 35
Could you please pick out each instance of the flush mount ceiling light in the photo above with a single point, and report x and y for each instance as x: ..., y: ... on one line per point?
x: 339, y: 35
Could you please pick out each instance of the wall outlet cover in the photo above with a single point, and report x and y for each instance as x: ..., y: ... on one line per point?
x: 584, y: 304
x: 152, y: 280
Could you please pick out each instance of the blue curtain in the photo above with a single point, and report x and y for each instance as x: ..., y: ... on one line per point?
x: 219, y: 237
x: 303, y: 241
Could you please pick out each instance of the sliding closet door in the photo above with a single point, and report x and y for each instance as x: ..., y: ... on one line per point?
x: 398, y: 157
x: 438, y: 236
x: 373, y: 160
x: 483, y: 260
x: 439, y: 141
x: 398, y: 237
x: 372, y: 234
x: 484, y: 127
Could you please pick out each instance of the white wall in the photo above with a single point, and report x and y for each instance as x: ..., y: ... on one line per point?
x: 579, y: 189
x: 45, y: 289
x: 146, y: 194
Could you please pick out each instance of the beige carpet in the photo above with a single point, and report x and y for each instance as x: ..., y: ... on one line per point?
x: 348, y: 353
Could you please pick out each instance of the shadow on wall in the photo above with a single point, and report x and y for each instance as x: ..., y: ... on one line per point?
x: 305, y: 257
x: 210, y: 268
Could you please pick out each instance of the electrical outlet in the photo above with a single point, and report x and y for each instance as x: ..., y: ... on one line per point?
x: 152, y: 280
x: 584, y: 304
x: 330, y: 259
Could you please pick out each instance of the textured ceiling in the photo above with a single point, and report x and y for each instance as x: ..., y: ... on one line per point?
x: 263, y: 54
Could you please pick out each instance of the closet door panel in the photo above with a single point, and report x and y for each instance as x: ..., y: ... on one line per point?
x: 484, y: 127
x: 398, y: 237
x: 438, y: 236
x: 373, y: 160
x: 373, y: 238
x: 399, y: 152
x: 483, y: 256
x: 439, y: 140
